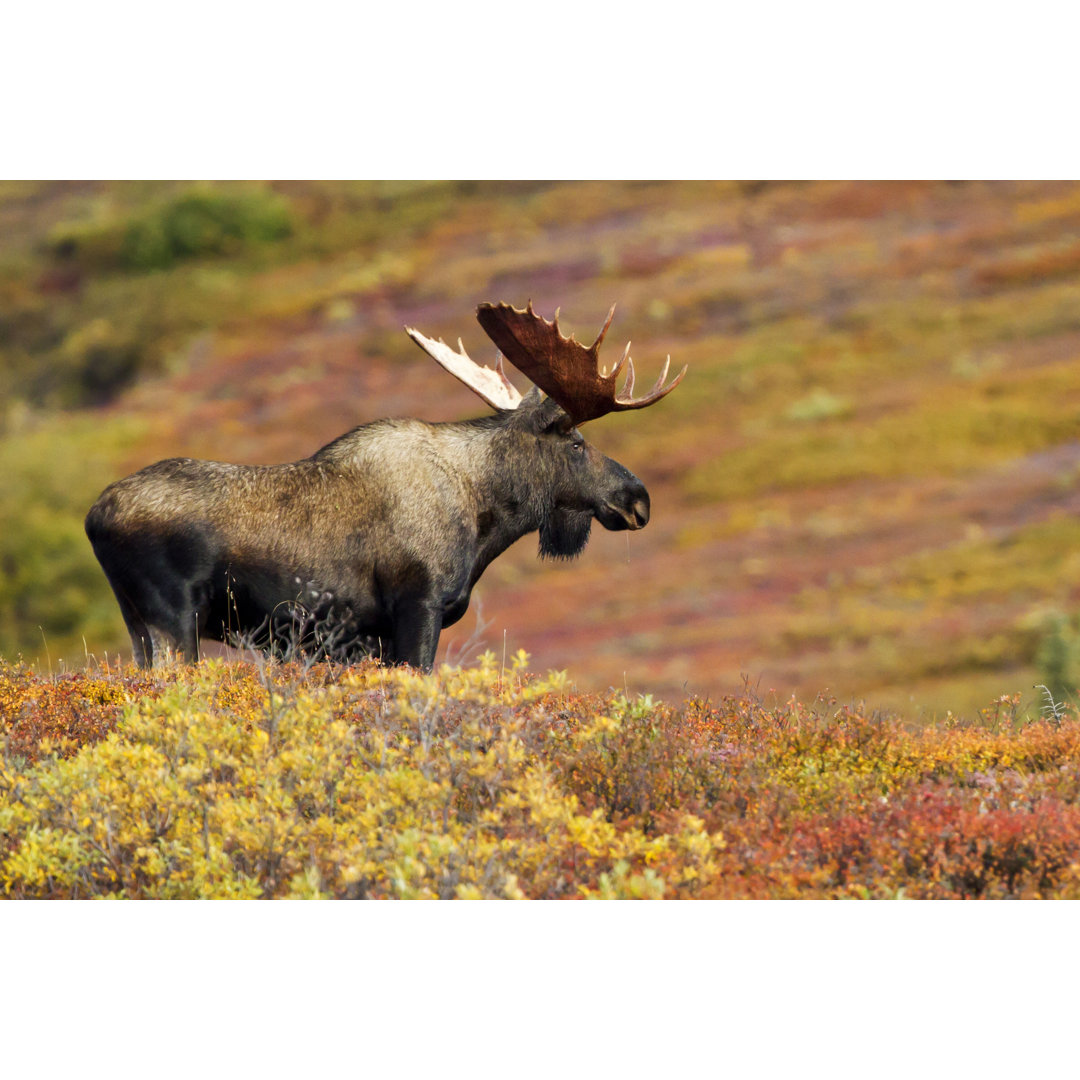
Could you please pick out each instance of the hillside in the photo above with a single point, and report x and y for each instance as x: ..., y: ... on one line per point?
x: 867, y: 487
x: 233, y: 780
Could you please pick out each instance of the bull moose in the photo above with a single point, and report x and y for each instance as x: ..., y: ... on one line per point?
x: 374, y: 543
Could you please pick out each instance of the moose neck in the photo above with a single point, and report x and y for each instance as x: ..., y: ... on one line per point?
x: 514, y: 493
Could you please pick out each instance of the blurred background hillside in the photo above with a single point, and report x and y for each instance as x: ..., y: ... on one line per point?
x: 868, y: 484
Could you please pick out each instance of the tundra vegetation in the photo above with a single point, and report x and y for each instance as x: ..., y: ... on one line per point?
x: 870, y: 484
x: 235, y: 779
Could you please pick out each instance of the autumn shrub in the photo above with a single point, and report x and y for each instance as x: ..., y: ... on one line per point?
x: 377, y: 784
x: 641, y: 760
x: 255, y: 780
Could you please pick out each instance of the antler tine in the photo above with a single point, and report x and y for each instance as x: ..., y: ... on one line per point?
x: 619, y: 366
x: 627, y: 391
x: 663, y: 375
x: 595, y: 346
x: 659, y: 390
x: 493, y: 386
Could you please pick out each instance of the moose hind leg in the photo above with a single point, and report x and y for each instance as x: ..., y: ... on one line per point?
x: 160, y: 637
x: 142, y: 647
x: 160, y: 585
x: 176, y: 638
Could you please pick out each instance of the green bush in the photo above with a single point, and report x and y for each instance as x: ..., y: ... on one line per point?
x: 199, y: 223
x: 1058, y: 657
x: 202, y: 223
x: 92, y: 365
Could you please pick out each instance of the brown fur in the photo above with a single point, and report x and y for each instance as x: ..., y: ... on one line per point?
x: 372, y: 544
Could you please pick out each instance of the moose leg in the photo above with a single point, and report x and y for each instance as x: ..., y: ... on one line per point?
x: 161, y: 613
x: 173, y: 637
x: 159, y: 646
x: 416, y: 634
x: 184, y: 633
x: 154, y: 642
x: 142, y: 651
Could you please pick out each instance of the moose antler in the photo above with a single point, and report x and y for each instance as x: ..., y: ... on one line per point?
x: 493, y: 386
x: 562, y: 367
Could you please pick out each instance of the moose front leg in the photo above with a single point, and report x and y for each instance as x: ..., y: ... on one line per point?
x: 416, y: 634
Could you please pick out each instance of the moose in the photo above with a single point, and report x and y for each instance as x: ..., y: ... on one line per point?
x: 373, y: 544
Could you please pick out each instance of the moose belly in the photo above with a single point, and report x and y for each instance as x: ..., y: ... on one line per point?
x: 264, y: 603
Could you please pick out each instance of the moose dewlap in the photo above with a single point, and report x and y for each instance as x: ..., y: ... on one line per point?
x: 374, y: 543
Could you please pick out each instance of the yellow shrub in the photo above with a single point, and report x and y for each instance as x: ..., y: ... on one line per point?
x: 389, y: 783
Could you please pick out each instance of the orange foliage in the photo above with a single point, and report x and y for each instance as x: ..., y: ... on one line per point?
x: 232, y: 780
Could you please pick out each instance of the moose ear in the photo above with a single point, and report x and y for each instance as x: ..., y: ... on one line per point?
x: 539, y: 414
x: 560, y: 422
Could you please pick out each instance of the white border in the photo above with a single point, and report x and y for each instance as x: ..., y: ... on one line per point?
x: 216, y: 88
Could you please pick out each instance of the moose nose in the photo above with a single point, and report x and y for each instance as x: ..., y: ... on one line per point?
x: 641, y: 511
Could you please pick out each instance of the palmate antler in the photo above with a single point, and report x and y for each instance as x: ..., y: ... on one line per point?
x: 563, y: 368
x: 493, y: 386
